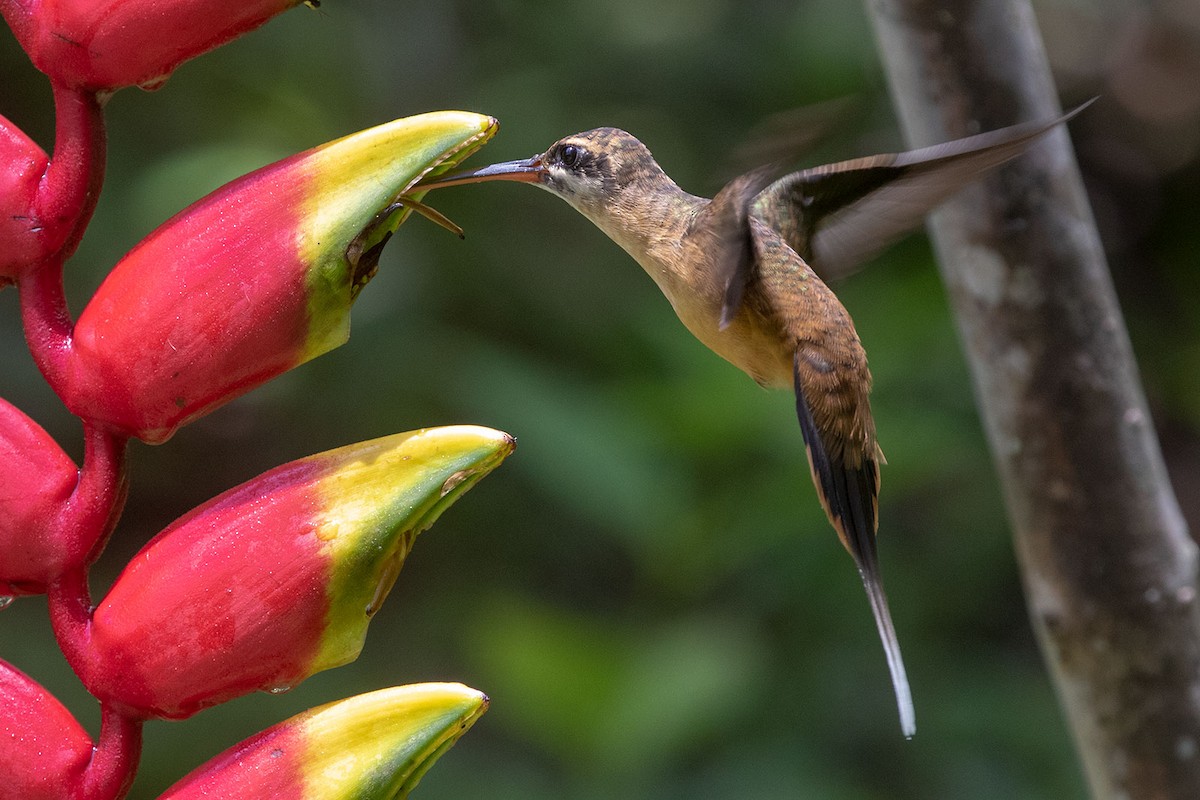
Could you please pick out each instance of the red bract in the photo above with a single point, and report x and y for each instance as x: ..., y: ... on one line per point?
x: 36, y: 480
x: 374, y: 746
x: 276, y: 579
x: 252, y: 280
x: 107, y: 44
x: 43, y: 750
x: 22, y: 165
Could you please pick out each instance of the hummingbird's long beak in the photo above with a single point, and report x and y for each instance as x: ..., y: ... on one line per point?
x: 526, y: 170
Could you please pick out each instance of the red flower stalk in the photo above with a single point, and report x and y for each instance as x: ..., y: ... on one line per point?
x: 106, y: 44
x: 45, y: 750
x: 276, y: 579
x: 252, y: 280
x: 375, y: 746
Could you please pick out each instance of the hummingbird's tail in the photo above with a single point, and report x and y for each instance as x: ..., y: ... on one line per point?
x: 849, y: 496
x: 868, y: 569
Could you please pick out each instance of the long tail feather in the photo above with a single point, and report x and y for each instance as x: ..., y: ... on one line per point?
x: 848, y: 495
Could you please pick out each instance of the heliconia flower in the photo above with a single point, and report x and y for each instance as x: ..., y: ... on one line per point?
x: 22, y: 165
x: 107, y: 44
x: 252, y: 280
x: 276, y: 579
x: 44, y: 749
x: 375, y: 746
x: 36, y: 480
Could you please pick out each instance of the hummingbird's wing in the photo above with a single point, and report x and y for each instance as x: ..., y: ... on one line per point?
x: 832, y: 384
x: 838, y: 216
x: 786, y: 136
x: 722, y: 224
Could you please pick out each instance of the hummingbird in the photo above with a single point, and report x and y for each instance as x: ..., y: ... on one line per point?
x: 738, y: 269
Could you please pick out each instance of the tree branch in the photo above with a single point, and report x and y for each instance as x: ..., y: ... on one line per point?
x: 1109, y: 569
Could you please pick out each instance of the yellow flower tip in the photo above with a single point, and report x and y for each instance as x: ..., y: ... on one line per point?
x: 424, y: 470
x: 375, y: 746
x: 382, y: 163
x: 375, y: 498
x: 378, y: 745
x: 464, y: 454
x: 485, y: 128
x: 359, y: 196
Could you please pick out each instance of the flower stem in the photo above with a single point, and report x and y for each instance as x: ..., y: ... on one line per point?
x: 89, y: 516
x: 47, y: 321
x: 66, y: 199
x: 70, y: 605
x: 115, y: 758
x: 71, y: 186
x: 85, y: 524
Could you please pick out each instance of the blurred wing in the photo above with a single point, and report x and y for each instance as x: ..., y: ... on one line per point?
x: 785, y: 137
x: 838, y: 216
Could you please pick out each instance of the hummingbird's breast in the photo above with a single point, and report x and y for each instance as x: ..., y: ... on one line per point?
x: 651, y: 227
x: 751, y: 342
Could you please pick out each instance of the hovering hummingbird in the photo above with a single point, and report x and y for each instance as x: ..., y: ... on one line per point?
x: 739, y: 271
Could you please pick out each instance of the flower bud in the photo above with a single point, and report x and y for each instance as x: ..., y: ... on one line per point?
x: 22, y: 165
x: 107, y: 44
x: 252, y: 280
x: 375, y: 746
x: 45, y: 751
x: 276, y: 579
x: 36, y: 480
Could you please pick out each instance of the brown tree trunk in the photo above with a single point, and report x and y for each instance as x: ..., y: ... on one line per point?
x: 1109, y: 569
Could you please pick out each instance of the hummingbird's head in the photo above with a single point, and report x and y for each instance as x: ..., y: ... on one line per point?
x: 599, y: 169
x: 597, y: 172
x: 605, y: 174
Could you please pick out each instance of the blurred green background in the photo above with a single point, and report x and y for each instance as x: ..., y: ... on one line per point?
x: 647, y: 589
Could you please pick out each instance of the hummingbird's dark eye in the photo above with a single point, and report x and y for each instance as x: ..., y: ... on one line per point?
x: 570, y: 155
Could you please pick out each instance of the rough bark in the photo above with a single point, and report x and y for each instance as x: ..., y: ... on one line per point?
x: 1109, y: 570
